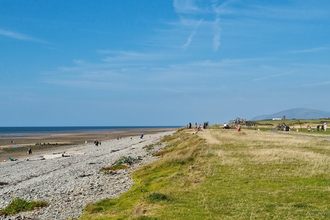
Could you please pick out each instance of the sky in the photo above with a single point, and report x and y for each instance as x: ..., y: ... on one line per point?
x: 160, y: 62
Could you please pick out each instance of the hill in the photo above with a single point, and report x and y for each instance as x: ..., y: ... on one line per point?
x: 297, y: 113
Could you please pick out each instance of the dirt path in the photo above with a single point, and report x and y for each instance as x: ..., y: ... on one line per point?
x: 207, y: 135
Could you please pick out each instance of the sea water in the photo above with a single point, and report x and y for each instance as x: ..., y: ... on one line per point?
x: 35, y: 131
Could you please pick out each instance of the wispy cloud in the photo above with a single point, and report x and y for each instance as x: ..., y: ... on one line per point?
x: 20, y: 36
x: 317, y: 84
x: 219, y: 10
x: 192, y: 35
x: 309, y: 50
x: 272, y: 76
x: 185, y: 6
x: 217, y: 34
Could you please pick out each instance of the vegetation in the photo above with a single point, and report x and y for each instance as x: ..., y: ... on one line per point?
x: 114, y: 167
x: 149, y: 147
x: 20, y: 205
x: 225, y: 174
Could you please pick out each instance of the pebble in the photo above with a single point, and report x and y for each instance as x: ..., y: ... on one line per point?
x: 57, y: 180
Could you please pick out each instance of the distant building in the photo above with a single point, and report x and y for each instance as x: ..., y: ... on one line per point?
x: 277, y: 119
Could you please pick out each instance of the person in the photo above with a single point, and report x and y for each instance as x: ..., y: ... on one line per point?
x: 30, y: 151
x: 322, y: 128
x: 318, y: 127
x: 325, y: 126
x: 131, y: 137
x: 239, y: 128
x: 141, y: 136
x: 100, y: 143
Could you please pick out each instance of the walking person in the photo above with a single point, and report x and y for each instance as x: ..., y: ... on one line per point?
x: 325, y: 126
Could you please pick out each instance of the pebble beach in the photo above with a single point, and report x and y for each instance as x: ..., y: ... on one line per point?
x: 68, y: 183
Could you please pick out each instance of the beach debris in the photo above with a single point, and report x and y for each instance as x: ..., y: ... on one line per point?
x: 85, y: 175
x: 109, y: 172
x: 114, y: 151
x: 65, y: 155
x: 3, y: 183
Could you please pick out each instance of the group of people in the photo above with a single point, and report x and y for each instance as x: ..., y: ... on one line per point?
x: 97, y: 143
x: 318, y: 127
x: 323, y: 127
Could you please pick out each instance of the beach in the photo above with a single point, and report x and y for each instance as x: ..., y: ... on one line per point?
x: 43, y: 142
x: 68, y: 177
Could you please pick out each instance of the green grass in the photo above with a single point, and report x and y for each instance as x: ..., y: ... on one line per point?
x: 115, y: 167
x: 20, y: 205
x: 156, y: 197
x: 246, y: 175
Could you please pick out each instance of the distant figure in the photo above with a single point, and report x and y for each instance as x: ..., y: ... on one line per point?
x: 325, y: 126
x: 149, y: 136
x: 239, y: 128
x: 100, y: 143
x: 297, y: 130
x: 131, y: 137
x: 318, y: 127
x: 141, y: 136
x: 85, y: 142
x: 322, y: 128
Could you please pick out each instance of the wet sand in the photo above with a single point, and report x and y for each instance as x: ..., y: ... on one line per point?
x: 44, y: 142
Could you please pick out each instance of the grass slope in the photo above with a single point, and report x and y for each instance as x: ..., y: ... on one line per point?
x: 223, y: 174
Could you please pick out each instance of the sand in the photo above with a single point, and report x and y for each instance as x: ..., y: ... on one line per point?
x: 40, y: 143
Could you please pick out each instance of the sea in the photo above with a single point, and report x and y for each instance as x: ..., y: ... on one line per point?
x: 35, y: 131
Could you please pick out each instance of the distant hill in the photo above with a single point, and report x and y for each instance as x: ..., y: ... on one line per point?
x: 297, y: 113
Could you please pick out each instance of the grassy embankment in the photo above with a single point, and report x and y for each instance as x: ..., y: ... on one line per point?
x: 223, y: 174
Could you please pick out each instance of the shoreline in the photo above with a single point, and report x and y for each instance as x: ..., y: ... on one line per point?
x: 39, y: 144
x: 69, y: 183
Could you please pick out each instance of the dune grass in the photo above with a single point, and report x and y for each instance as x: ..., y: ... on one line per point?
x: 223, y: 174
x: 20, y: 205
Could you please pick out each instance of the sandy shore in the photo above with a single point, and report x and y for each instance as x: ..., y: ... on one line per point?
x: 40, y: 143
x: 69, y: 183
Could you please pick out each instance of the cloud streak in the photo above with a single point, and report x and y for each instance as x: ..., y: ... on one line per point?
x: 309, y: 50
x: 272, y: 76
x: 192, y: 35
x: 19, y: 36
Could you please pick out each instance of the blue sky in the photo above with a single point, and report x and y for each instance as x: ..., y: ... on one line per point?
x: 160, y: 62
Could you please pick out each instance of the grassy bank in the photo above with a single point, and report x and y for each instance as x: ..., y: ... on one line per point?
x: 223, y: 174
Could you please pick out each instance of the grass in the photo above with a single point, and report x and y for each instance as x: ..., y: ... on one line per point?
x: 246, y: 175
x: 20, y: 205
x: 156, y: 197
x: 115, y: 167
